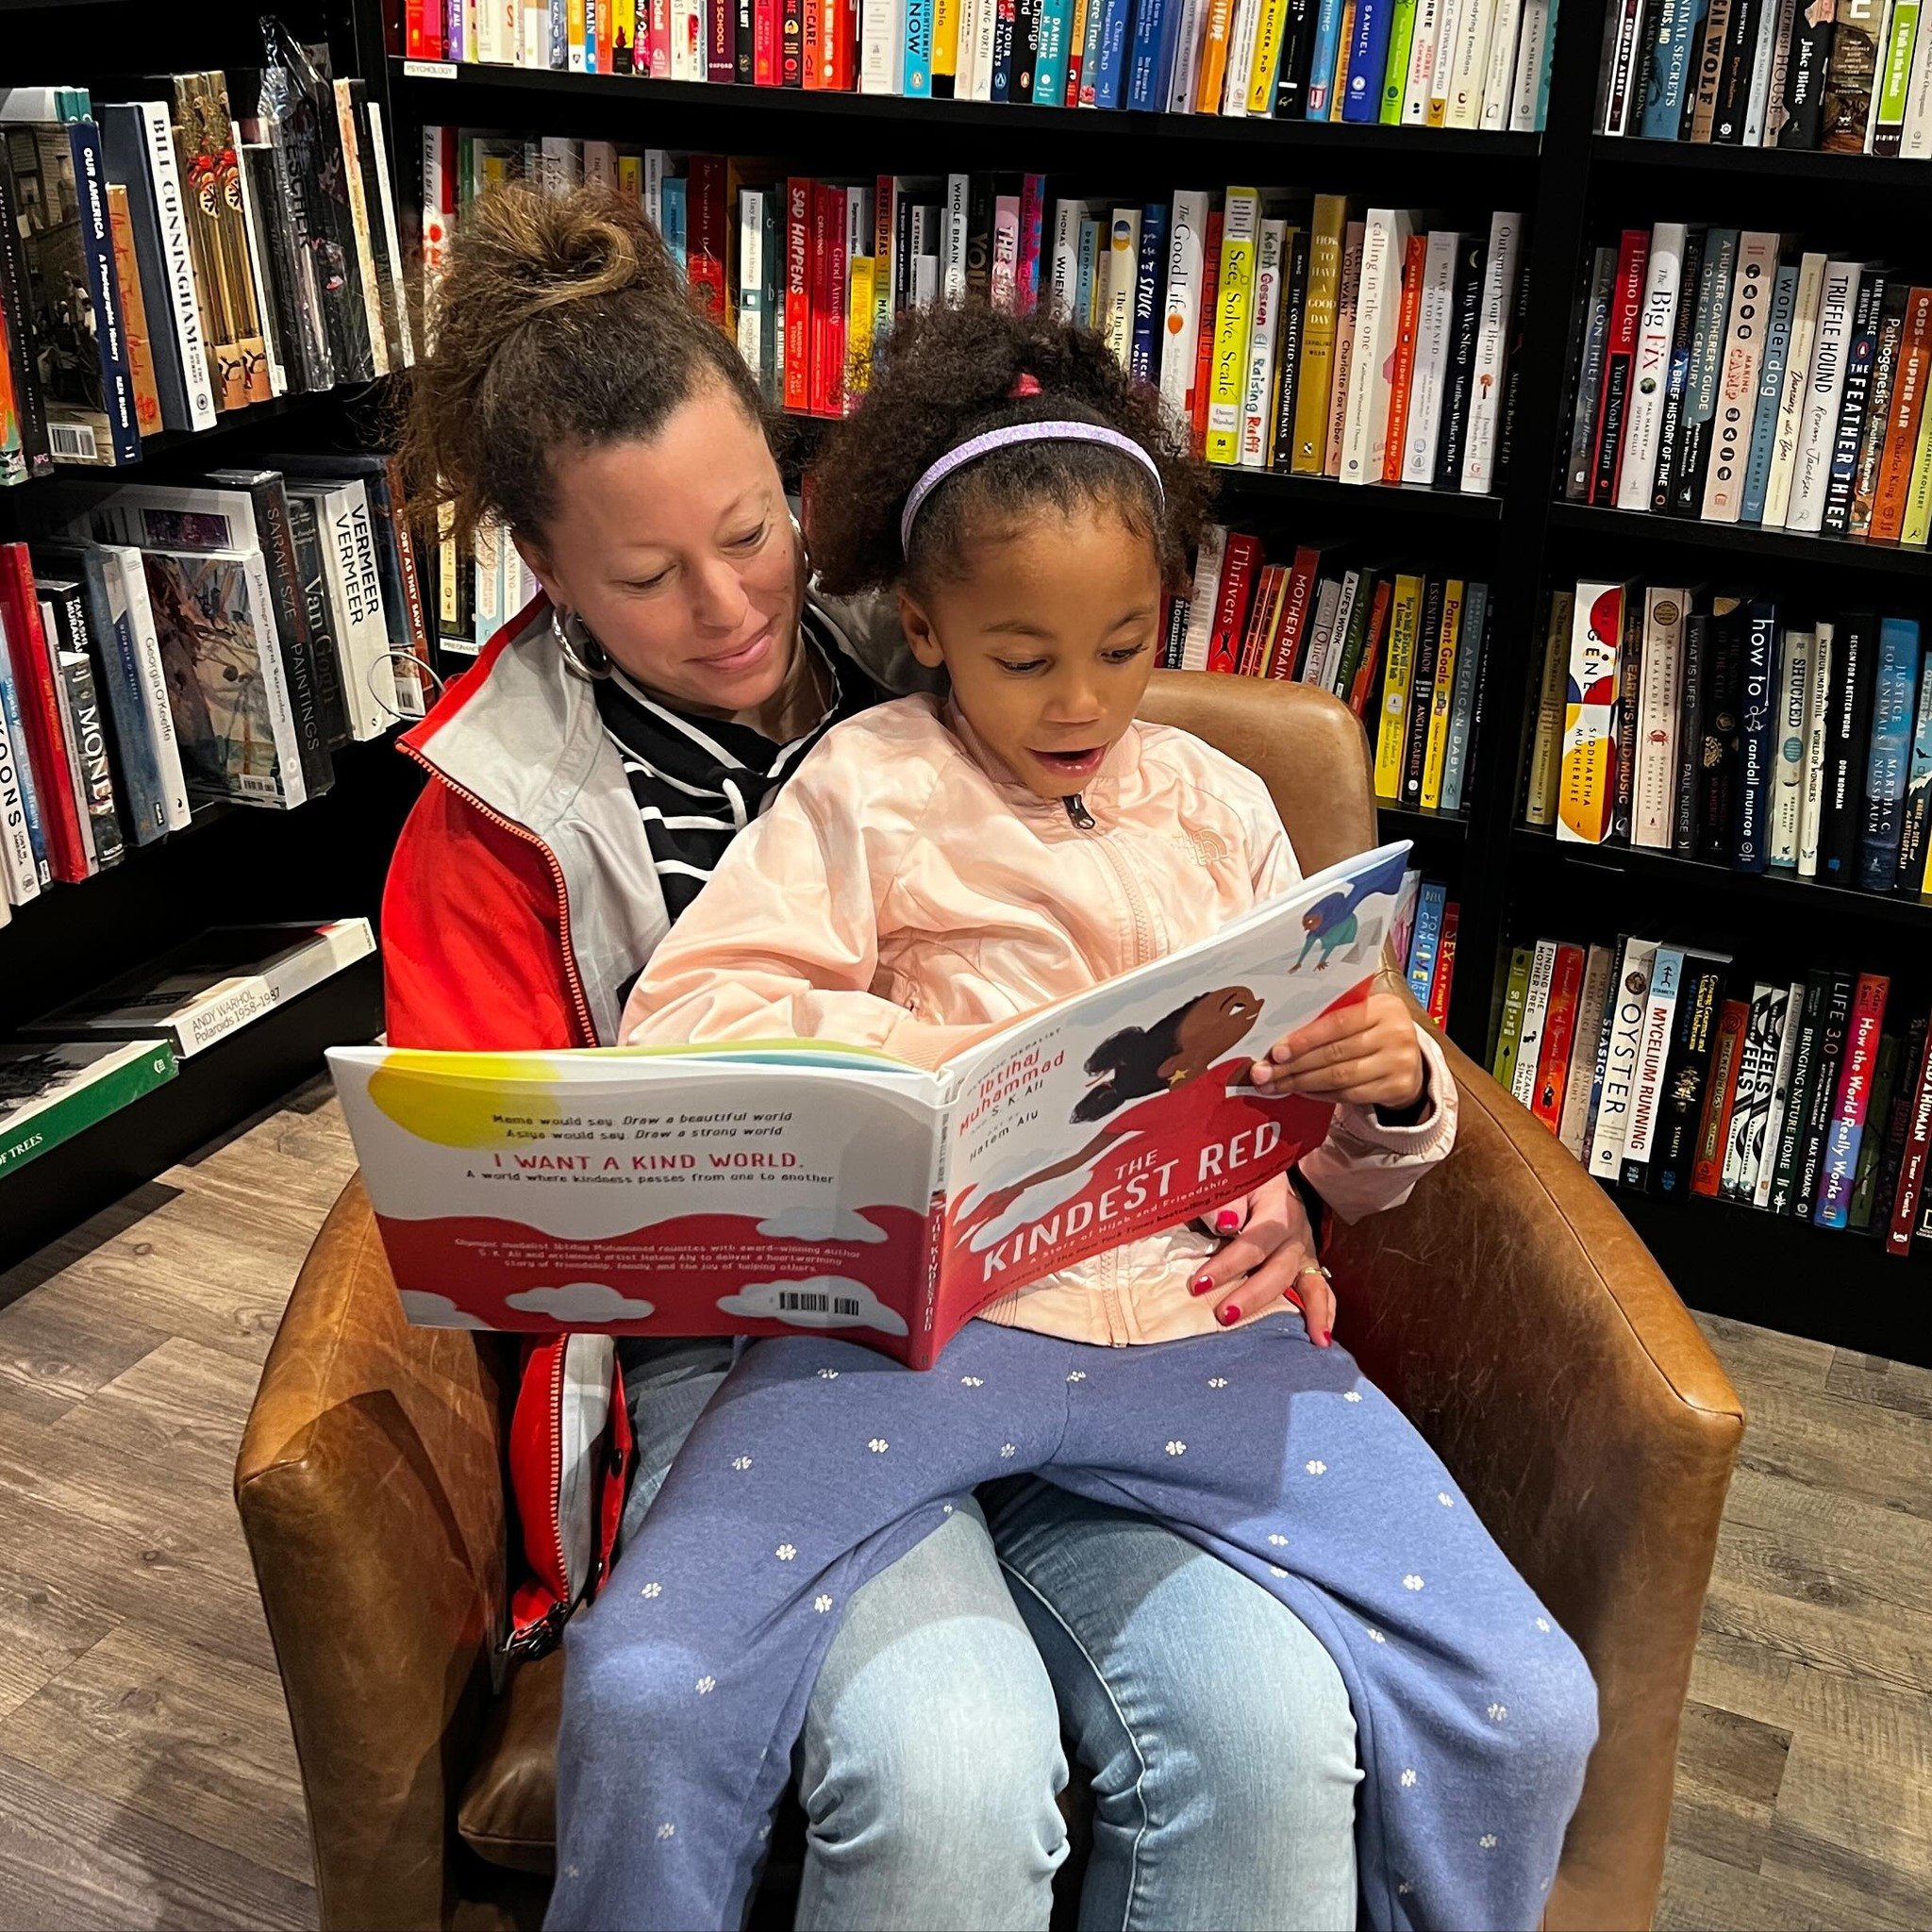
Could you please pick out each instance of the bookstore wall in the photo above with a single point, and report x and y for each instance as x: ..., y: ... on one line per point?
x: 1562, y: 366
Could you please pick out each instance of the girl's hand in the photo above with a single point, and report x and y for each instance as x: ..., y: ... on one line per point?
x: 1367, y: 1055
x: 1269, y: 1258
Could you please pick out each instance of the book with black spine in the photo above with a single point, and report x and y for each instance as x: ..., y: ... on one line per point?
x: 1718, y: 751
x: 1680, y: 1103
x: 1854, y: 684
x: 1288, y: 362
x: 1595, y: 319
x: 1800, y: 1090
x: 1861, y: 359
x: 1620, y: 359
x: 1757, y: 738
x: 1806, y: 60
x: 1835, y: 1014
x: 1690, y: 743
x: 63, y: 613
x: 1702, y: 380
x: 1733, y: 78
x: 1670, y: 434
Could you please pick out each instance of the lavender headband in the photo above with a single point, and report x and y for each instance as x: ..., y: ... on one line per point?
x: 977, y: 446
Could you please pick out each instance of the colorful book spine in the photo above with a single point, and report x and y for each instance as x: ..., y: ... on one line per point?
x: 1586, y: 783
x: 1241, y: 222
x: 1839, y: 1160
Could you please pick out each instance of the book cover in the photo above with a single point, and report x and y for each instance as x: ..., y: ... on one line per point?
x: 1585, y: 1070
x: 1241, y: 223
x: 1659, y: 700
x: 1756, y: 739
x: 1546, y: 741
x: 1791, y: 697
x: 1653, y: 1052
x: 1834, y: 1022
x: 52, y: 1091
x: 1636, y: 461
x: 1860, y: 361
x: 1757, y: 1068
x: 1431, y: 903
x: 1329, y: 220
x: 1509, y: 1020
x: 1725, y: 1096
x: 1686, y: 1067
x: 1691, y: 454
x: 1852, y: 81
x: 1558, y: 1036
x: 1371, y: 354
x: 1737, y: 397
x: 1670, y: 435
x: 1904, y: 1205
x: 1586, y: 783
x: 1627, y: 284
x: 1423, y: 420
x: 1501, y: 270
x: 1243, y: 562
x: 1459, y: 387
x: 1888, y: 758
x: 1825, y: 391
x: 1535, y: 1009
x: 1391, y: 735
x: 1257, y: 387
x: 1845, y: 1130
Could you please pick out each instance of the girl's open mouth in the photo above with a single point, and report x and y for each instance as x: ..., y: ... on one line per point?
x: 1075, y: 766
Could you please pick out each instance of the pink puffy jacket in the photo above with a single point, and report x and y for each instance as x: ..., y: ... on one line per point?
x: 904, y: 892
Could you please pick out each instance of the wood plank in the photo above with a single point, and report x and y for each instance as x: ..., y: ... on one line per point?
x: 1862, y: 1825
x: 1902, y: 1386
x: 1761, y: 1357
x: 1827, y: 1441
x: 1700, y: 1893
x: 53, y: 1356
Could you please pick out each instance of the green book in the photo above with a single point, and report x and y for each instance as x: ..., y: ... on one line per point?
x: 1395, y: 76
x: 1515, y: 995
x: 54, y: 1089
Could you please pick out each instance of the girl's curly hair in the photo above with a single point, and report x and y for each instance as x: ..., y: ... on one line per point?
x: 946, y: 374
x: 559, y: 324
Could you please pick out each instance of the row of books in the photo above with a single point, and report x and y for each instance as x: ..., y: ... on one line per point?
x: 1420, y: 63
x: 88, y: 1059
x: 165, y: 259
x: 1667, y: 1069
x: 1422, y: 936
x: 1404, y: 648
x: 1717, y: 726
x: 1730, y: 376
x: 171, y: 645
x: 1852, y: 77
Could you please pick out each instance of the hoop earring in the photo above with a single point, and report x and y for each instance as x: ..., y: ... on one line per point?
x: 804, y: 547
x: 583, y: 658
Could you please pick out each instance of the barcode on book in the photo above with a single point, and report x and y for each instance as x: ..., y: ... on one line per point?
x: 798, y: 1302
x: 73, y: 441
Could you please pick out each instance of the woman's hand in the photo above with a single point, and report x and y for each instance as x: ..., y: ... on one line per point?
x: 1367, y: 1054
x: 1269, y: 1258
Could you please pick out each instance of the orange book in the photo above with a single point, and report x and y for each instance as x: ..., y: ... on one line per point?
x: 1214, y: 75
x: 1363, y: 689
x: 1720, y: 1098
x: 1204, y: 353
x: 1261, y: 620
x: 1413, y: 258
x: 1559, y: 1034
x: 798, y: 329
x: 1902, y: 428
x: 140, y: 356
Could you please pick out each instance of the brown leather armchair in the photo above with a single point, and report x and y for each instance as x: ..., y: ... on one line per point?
x: 1507, y: 1308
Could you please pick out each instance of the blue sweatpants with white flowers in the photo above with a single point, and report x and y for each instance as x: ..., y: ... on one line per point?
x: 818, y: 1463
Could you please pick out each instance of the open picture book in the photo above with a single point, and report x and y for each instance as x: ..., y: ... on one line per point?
x: 765, y: 1187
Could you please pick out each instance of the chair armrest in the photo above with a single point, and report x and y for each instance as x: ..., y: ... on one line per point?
x: 1518, y: 1322
x: 370, y: 1482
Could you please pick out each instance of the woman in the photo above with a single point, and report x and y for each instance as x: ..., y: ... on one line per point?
x: 586, y: 776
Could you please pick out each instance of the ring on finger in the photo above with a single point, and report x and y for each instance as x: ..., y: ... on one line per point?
x: 1316, y: 1268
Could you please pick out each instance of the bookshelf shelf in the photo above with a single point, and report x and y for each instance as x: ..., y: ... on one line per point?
x: 1412, y: 821
x: 1617, y: 152
x: 1629, y: 529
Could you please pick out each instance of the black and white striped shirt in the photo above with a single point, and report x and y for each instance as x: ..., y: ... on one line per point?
x: 698, y: 783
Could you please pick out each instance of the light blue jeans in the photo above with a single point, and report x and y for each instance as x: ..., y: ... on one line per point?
x: 1216, y: 1728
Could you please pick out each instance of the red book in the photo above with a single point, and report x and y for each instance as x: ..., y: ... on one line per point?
x: 1559, y: 1035
x: 1231, y: 607
x: 606, y: 41
x: 1364, y: 686
x: 813, y: 42
x: 1445, y: 964
x: 764, y: 42
x: 845, y: 47
x: 798, y: 234
x: 1204, y: 353
x: 824, y: 371
x: 1297, y: 601
x: 1912, y: 1175
x: 1902, y: 420
x: 721, y: 40
x: 1720, y: 1098
x: 1262, y: 618
x: 1620, y: 361
x: 706, y: 231
x: 839, y: 292
x: 657, y: 63
x: 1413, y: 260
x: 41, y: 714
x: 423, y: 31
x: 1032, y: 225
x: 1853, y: 1100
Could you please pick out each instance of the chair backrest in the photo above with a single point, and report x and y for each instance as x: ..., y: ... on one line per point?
x: 1306, y: 746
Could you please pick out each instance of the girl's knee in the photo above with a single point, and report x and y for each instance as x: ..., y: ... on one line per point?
x: 1543, y: 1706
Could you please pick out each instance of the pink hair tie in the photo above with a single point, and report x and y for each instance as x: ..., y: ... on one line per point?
x: 1024, y: 384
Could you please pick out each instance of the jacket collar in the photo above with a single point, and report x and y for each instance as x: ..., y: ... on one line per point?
x: 1117, y: 770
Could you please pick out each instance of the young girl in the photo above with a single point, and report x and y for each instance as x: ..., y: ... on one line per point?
x: 934, y: 870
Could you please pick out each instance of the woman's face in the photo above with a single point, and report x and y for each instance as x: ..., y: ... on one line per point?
x: 679, y: 556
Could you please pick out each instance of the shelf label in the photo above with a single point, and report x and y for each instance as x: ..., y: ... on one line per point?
x: 430, y: 70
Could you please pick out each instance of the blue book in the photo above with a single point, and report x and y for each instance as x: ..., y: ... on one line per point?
x: 560, y: 35
x: 1147, y: 292
x: 1917, y: 819
x: 1004, y: 23
x: 1368, y: 61
x: 1426, y: 939
x: 1886, y: 768
x: 1090, y: 57
x: 1144, y: 91
x: 591, y: 34
x: 672, y: 200
x: 1469, y: 661
x: 1115, y: 19
x: 1083, y: 277
x: 96, y: 247
x: 917, y: 70
x: 1324, y: 62
x: 1679, y: 33
x: 1050, y: 63
x: 1771, y: 383
x: 1541, y: 117
x: 23, y: 768
x: 1756, y: 739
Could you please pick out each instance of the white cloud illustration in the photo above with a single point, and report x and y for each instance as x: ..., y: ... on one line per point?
x: 811, y: 1221
x: 820, y: 1301
x: 425, y: 1310
x: 582, y: 1301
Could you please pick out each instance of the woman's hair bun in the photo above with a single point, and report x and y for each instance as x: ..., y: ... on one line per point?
x: 543, y: 250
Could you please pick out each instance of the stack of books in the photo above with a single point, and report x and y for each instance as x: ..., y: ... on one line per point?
x: 1731, y: 728
x: 1417, y: 63
x: 1668, y: 1069
x: 167, y: 260
x: 167, y: 644
x: 1734, y: 376
x: 1852, y: 78
x: 1422, y: 936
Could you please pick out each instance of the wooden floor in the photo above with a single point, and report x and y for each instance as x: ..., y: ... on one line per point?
x: 146, y: 1776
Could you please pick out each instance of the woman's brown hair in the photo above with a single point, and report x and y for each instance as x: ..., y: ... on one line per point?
x: 560, y: 324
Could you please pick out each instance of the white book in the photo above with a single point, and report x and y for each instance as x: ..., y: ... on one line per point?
x: 1824, y: 392
x: 157, y: 712
x: 1334, y: 638
x: 364, y: 243
x: 1530, y: 55
x: 953, y: 257
x: 1377, y: 322
x: 1257, y: 405
x: 925, y: 280
x: 687, y: 40
x: 1784, y: 447
x: 533, y: 43
x: 1763, y: 58
x: 1630, y: 996
x: 880, y: 39
x: 1655, y: 324
x: 1492, y: 351
x: 1915, y: 137
x: 20, y: 875
x: 1737, y: 395
x: 1209, y: 553
x: 1321, y: 631
x: 1792, y: 697
x: 1122, y: 278
x: 1780, y: 1092
x: 751, y: 278
x: 1653, y: 1051
x: 1240, y: 56
x: 275, y: 679
x: 355, y: 598
x: 1660, y: 686
x: 1430, y: 370
x: 1186, y: 266
x: 391, y: 239
x: 1817, y: 732
x: 1187, y: 58
x: 985, y: 23
x: 1421, y: 61
x: 1756, y: 1068
x: 1469, y: 64
x: 1499, y: 74
x: 1535, y: 1009
x: 1448, y: 35
x: 1572, y: 1124
x: 178, y: 300
x: 1067, y: 217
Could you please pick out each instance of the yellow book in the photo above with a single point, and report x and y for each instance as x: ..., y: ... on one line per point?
x: 1318, y: 335
x: 1918, y: 523
x: 1541, y: 805
x: 624, y: 36
x: 1260, y: 76
x: 1392, y: 734
x: 1207, y: 85
x: 1443, y: 698
x: 859, y: 330
x: 1228, y: 380
x: 630, y: 177
x: 574, y: 26
x: 945, y: 42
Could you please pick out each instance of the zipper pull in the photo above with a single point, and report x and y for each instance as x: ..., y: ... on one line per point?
x: 1078, y: 813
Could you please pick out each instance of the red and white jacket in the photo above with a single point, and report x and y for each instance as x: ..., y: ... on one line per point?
x: 520, y: 903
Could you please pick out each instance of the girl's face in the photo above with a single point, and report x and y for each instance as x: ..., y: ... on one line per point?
x: 1048, y: 638
x: 679, y: 556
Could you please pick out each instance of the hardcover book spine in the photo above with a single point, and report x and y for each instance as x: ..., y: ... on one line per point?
x: 1889, y: 754
x: 1859, y: 361
x: 1586, y: 788
x: 1817, y: 738
x: 1751, y: 843
x: 1653, y: 1045
x: 1904, y: 1205
x: 1771, y: 381
x: 1790, y: 411
x: 1465, y: 702
x: 1655, y: 328
x: 1179, y: 353
x: 1834, y: 1022
x: 1536, y: 1006
x: 1239, y: 224
x: 1660, y: 701
x: 1257, y: 399
x: 1595, y: 322
x: 1838, y: 1160
x: 1701, y: 382
x: 1751, y: 293
x: 1792, y: 696
x: 1560, y: 1036
x: 1499, y: 272
x: 1823, y: 392
x: 1433, y: 321
x: 1722, y: 1098
x: 1680, y: 1098
x: 1591, y: 1011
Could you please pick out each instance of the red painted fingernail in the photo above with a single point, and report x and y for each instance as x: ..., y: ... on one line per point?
x: 1201, y: 1283
x: 1226, y: 1221
x: 1327, y: 1335
x: 1289, y: 1296
x: 1228, y: 1316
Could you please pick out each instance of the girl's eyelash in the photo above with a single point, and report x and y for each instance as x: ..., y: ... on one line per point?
x: 1025, y: 665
